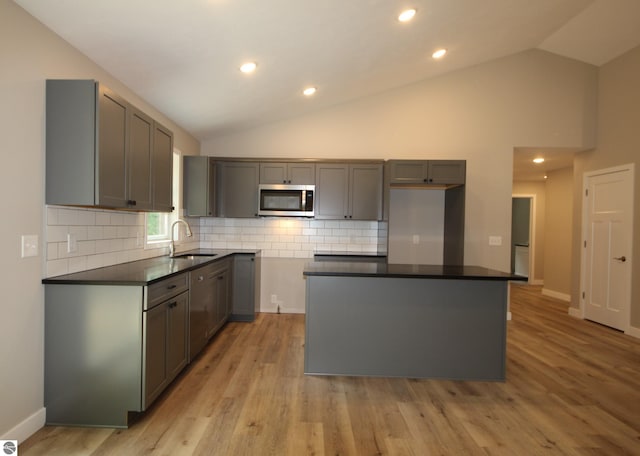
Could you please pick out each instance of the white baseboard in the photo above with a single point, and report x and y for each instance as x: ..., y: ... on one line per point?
x: 633, y: 332
x: 27, y: 428
x: 575, y: 312
x: 508, y: 316
x: 556, y: 295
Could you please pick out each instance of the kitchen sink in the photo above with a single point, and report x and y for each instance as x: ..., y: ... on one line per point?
x: 193, y: 256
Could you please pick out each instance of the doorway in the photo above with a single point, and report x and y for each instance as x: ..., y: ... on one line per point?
x: 606, y: 254
x: 523, y: 236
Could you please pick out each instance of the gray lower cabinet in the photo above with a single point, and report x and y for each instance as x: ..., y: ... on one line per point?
x: 287, y: 173
x: 199, y: 184
x: 436, y: 172
x: 348, y: 191
x: 209, y: 303
x: 111, y: 349
x: 237, y: 189
x: 165, y: 349
x: 244, y: 299
x: 100, y: 150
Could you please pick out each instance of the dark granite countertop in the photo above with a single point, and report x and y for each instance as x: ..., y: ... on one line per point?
x: 143, y: 272
x: 419, y: 271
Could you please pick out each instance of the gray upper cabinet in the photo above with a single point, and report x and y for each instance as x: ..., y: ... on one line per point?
x: 237, y: 189
x: 442, y: 172
x: 199, y: 182
x: 287, y: 173
x: 447, y: 172
x: 140, y: 158
x: 348, y: 191
x: 99, y: 148
x: 162, y: 169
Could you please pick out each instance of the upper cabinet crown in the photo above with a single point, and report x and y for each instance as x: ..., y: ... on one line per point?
x: 436, y: 172
x: 102, y: 151
x: 287, y: 173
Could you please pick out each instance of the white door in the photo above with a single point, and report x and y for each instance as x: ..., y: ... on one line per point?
x: 608, y: 234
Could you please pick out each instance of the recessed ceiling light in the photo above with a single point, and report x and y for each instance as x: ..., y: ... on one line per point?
x: 439, y: 53
x: 407, y: 15
x: 309, y: 91
x: 248, y: 67
x: 538, y: 160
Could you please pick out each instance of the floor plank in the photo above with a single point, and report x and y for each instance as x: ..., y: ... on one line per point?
x: 573, y: 388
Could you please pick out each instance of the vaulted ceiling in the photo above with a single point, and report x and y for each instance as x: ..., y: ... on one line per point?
x: 183, y: 57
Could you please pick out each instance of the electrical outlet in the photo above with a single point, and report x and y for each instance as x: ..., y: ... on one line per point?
x: 495, y: 240
x: 72, y: 243
x: 29, y: 245
x: 416, y: 239
x: 274, y: 299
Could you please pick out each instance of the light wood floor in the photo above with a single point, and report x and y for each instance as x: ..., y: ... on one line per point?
x: 573, y: 387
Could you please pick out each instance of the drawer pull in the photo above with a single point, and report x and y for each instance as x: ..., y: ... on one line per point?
x: 171, y: 287
x: 173, y: 304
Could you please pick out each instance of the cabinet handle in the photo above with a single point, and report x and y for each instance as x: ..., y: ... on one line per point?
x: 220, y: 277
x: 173, y: 304
x: 430, y: 180
x: 424, y: 180
x: 131, y: 202
x: 171, y: 287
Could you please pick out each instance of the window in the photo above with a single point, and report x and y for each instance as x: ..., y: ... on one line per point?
x: 159, y: 223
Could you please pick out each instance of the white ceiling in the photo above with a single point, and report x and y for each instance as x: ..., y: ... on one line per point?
x: 182, y: 56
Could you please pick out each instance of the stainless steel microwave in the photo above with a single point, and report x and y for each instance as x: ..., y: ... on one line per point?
x: 286, y: 200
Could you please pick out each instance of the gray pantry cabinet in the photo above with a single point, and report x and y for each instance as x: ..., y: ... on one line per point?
x: 348, y: 191
x: 437, y: 172
x: 237, y: 189
x: 199, y: 184
x: 210, y: 303
x: 101, y: 151
x: 287, y: 173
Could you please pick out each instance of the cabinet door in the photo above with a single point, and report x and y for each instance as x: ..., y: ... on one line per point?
x: 199, y: 186
x: 111, y: 160
x: 301, y: 173
x: 200, y: 297
x: 177, y: 328
x: 162, y: 169
x: 273, y: 173
x: 365, y: 192
x: 332, y: 187
x: 222, y: 296
x: 408, y: 171
x: 139, y: 160
x: 237, y: 189
x: 447, y: 171
x: 243, y: 289
x: 155, y: 330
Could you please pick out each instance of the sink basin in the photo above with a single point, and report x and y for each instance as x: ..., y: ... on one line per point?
x: 193, y: 256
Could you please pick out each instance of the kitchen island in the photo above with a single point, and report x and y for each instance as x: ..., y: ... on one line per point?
x: 371, y: 318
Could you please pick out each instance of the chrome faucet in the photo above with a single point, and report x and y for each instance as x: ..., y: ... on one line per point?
x: 172, y: 247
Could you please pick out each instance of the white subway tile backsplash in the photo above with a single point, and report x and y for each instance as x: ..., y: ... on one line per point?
x: 107, y: 237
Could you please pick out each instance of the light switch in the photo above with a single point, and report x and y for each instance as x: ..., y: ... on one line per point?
x: 495, y: 240
x: 29, y: 245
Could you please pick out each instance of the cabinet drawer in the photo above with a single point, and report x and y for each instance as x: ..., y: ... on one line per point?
x: 160, y: 291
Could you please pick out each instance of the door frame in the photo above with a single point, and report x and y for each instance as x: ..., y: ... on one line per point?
x: 585, y: 231
x: 531, y: 280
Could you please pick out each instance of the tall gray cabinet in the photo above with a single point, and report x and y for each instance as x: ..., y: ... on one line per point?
x: 102, y: 151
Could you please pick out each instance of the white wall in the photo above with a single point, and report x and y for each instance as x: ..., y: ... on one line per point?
x: 618, y: 144
x: 479, y: 114
x: 29, y: 54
